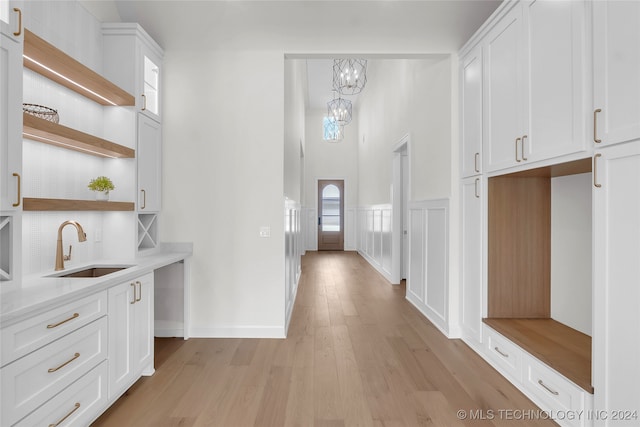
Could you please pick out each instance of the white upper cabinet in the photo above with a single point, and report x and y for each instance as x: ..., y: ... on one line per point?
x: 504, y: 92
x: 10, y: 120
x: 555, y: 78
x: 535, y: 83
x: 471, y: 93
x: 616, y: 71
x: 149, y: 164
x: 133, y: 61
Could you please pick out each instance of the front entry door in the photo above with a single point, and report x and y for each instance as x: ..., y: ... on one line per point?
x: 330, y: 215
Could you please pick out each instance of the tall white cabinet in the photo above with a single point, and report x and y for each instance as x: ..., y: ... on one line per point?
x: 560, y: 89
x: 11, y: 35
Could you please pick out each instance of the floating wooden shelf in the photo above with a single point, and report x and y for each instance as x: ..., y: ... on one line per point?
x: 48, y: 132
x: 49, y: 61
x: 35, y: 204
x: 562, y: 348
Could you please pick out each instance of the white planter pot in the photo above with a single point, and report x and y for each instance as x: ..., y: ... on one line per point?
x: 102, y: 196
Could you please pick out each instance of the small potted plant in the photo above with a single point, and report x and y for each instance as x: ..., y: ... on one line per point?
x: 101, y: 185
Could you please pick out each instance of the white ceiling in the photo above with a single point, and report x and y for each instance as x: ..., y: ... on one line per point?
x: 420, y: 26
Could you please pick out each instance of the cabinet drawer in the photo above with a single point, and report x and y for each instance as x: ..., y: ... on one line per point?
x: 78, y: 405
x: 24, y: 337
x: 552, y: 392
x: 32, y: 380
x: 506, y: 355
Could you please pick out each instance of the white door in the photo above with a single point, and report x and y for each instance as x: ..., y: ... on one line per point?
x: 149, y: 164
x: 471, y: 93
x: 504, y: 94
x: 554, y: 76
x: 471, y: 263
x: 616, y: 296
x: 616, y: 71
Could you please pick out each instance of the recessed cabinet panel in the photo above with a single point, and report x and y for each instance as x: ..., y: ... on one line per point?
x: 616, y: 71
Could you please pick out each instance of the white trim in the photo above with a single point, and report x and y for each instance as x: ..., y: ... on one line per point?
x: 239, y: 332
x: 397, y: 209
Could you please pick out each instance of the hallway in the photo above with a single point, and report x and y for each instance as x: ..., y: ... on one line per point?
x: 357, y: 353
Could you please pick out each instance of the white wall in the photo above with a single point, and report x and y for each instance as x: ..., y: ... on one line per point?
x: 571, y: 251
x: 295, y: 80
x: 414, y: 97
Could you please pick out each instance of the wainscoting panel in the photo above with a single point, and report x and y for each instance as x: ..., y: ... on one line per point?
x: 428, y: 280
x: 294, y: 249
x: 374, y: 237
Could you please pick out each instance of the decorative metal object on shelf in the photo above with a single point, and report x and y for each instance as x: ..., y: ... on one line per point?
x: 341, y: 110
x: 349, y: 75
x: 41, y: 112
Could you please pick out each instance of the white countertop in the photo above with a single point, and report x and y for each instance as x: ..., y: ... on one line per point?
x: 39, y: 292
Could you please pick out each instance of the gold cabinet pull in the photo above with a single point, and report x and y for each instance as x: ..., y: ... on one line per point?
x: 523, y: 157
x: 17, y: 203
x: 475, y: 162
x: 61, y: 420
x: 55, y: 325
x: 19, y: 12
x: 595, y: 171
x: 476, y: 189
x: 595, y: 125
x: 517, y: 159
x: 139, y: 291
x: 75, y: 356
x: 144, y: 102
x: 144, y: 199
x: 550, y: 390
x: 501, y: 353
x: 133, y: 301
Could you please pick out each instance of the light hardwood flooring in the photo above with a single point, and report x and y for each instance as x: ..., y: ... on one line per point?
x: 357, y: 354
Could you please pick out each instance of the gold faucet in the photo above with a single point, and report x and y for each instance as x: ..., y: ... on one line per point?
x: 60, y: 257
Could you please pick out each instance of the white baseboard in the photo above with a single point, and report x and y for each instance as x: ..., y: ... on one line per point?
x: 434, y: 319
x: 238, y: 332
x: 377, y: 266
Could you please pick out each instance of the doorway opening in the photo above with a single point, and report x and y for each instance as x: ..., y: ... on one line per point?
x: 330, y: 215
x: 400, y: 210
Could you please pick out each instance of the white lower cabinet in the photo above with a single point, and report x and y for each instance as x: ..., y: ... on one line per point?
x: 130, y: 333
x: 35, y: 378
x: 78, y: 405
x: 560, y: 399
x: 552, y: 392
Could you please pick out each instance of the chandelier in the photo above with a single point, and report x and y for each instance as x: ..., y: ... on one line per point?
x: 349, y: 75
x: 341, y: 110
x: 333, y: 132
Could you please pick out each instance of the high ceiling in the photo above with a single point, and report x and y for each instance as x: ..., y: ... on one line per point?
x: 299, y: 27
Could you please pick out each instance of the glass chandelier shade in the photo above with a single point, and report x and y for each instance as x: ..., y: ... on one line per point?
x: 349, y: 75
x: 341, y: 110
x: 333, y: 132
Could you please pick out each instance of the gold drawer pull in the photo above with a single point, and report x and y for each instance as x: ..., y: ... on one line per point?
x: 144, y: 102
x: 55, y: 325
x: 19, y: 12
x: 517, y: 159
x: 555, y: 393
x: 75, y: 356
x: 144, y: 199
x: 476, y: 188
x: 595, y: 126
x: 501, y: 353
x: 75, y: 408
x: 133, y: 301
x: 139, y: 291
x: 595, y: 170
x: 18, y: 196
x: 524, y: 138
x: 475, y: 162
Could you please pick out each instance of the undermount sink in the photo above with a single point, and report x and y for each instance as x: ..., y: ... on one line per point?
x: 94, y: 271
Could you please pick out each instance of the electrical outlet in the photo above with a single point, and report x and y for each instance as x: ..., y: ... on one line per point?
x: 265, y: 231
